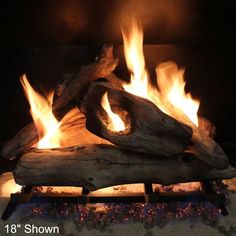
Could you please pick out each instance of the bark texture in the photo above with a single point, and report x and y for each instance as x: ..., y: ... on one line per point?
x: 148, y: 129
x: 99, y: 166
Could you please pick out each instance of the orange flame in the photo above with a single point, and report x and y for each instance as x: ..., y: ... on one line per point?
x: 115, y: 124
x: 41, y: 111
x: 171, y: 84
x: 170, y: 79
x: 135, y: 61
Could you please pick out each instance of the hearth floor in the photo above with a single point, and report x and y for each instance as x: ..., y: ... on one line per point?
x: 224, y: 225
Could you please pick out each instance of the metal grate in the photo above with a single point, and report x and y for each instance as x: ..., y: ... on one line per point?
x: 208, y: 193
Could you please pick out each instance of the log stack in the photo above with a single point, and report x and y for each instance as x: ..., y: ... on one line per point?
x: 154, y: 147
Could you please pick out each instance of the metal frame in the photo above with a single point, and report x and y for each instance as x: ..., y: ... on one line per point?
x: 208, y: 193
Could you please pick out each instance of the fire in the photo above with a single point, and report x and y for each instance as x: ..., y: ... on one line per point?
x: 172, y: 86
x: 115, y: 122
x: 41, y: 111
x: 135, y: 62
x: 170, y: 79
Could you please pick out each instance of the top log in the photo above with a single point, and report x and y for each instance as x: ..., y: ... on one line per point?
x: 71, y: 90
x: 151, y: 131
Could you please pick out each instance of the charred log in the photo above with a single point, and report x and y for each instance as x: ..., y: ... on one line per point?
x: 149, y: 130
x: 152, y: 131
x: 203, y: 145
x: 99, y: 166
x: 72, y: 89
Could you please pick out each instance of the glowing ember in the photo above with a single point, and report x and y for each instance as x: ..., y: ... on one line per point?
x: 41, y: 111
x: 127, y: 188
x: 180, y: 187
x: 154, y: 214
x: 170, y: 80
x: 151, y: 214
x: 115, y: 123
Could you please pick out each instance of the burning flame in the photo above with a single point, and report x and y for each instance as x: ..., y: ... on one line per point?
x: 115, y: 122
x: 41, y: 111
x: 171, y: 84
x: 170, y: 79
x: 135, y: 61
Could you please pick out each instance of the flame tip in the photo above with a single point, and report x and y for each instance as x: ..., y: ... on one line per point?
x: 170, y: 79
x: 41, y: 111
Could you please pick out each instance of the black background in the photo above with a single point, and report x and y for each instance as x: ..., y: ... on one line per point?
x: 47, y: 38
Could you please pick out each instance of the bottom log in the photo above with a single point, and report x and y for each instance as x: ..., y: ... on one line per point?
x: 99, y: 166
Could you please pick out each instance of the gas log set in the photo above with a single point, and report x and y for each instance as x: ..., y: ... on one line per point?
x: 99, y: 131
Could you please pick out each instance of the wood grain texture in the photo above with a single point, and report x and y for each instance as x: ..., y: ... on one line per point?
x: 152, y: 131
x: 99, y: 166
x: 149, y: 130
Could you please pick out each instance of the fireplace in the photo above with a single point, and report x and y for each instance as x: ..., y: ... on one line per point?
x: 200, y: 53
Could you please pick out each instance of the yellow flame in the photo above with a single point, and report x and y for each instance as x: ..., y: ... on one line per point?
x: 41, y: 111
x: 171, y: 84
x: 115, y: 123
x: 135, y: 61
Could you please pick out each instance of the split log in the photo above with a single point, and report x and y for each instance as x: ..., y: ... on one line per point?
x: 72, y: 89
x: 149, y: 130
x: 72, y: 129
x: 99, y: 166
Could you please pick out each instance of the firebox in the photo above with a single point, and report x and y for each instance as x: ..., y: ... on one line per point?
x: 136, y: 87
